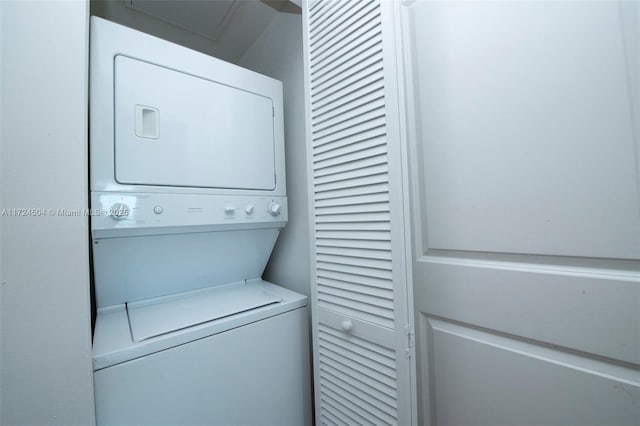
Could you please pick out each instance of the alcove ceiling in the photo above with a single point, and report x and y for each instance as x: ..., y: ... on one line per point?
x: 221, y: 28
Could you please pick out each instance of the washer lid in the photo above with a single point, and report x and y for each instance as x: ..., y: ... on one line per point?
x: 161, y: 315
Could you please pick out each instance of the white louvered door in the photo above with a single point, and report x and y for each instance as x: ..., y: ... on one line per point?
x: 363, y: 351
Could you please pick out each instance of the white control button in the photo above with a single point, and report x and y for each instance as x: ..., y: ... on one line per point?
x: 158, y: 209
x: 248, y: 209
x: 274, y: 208
x: 229, y: 209
x: 119, y: 211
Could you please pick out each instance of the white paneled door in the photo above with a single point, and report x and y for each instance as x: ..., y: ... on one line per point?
x: 363, y: 334
x: 523, y: 127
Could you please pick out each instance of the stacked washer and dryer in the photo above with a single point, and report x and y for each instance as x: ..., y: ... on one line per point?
x: 187, y: 169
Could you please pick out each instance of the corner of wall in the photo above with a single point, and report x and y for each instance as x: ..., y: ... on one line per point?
x: 278, y: 54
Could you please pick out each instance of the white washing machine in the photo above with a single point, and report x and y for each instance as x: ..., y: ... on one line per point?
x: 188, y: 197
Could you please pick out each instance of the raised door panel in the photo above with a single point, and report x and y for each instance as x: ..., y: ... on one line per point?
x: 531, y: 140
x: 561, y: 305
x: 485, y: 379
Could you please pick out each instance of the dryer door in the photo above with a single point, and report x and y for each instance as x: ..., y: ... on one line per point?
x: 176, y: 129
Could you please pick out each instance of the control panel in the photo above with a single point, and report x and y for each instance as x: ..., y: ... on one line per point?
x: 124, y: 210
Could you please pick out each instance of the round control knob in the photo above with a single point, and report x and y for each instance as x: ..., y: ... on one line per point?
x: 274, y: 208
x: 248, y: 209
x: 119, y: 211
x: 158, y: 209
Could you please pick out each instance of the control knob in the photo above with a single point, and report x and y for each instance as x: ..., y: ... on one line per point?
x: 274, y: 208
x: 119, y: 211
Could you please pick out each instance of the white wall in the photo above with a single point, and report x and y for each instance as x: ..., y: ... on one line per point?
x: 1, y: 279
x: 278, y: 54
x: 46, y: 375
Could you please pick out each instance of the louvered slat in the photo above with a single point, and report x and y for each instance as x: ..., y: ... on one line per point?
x: 361, y: 181
x: 363, y: 405
x: 355, y: 288
x: 357, y: 172
x: 356, y: 305
x: 355, y: 270
x: 357, y: 379
x: 352, y: 208
x: 345, y: 412
x: 355, y: 278
x: 357, y: 110
x: 353, y: 63
x: 372, y: 138
x: 351, y: 382
x: 354, y: 236
x: 346, y: 193
x: 367, y: 253
x: 360, y: 375
x: 368, y: 96
x: 333, y: 36
x: 352, y: 201
x: 331, y: 418
x: 348, y: 122
x: 369, y: 263
x: 360, y: 299
x: 351, y: 226
x: 355, y: 37
x: 362, y: 355
x: 346, y: 116
x: 365, y: 161
x: 329, y: 98
x: 336, y: 15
